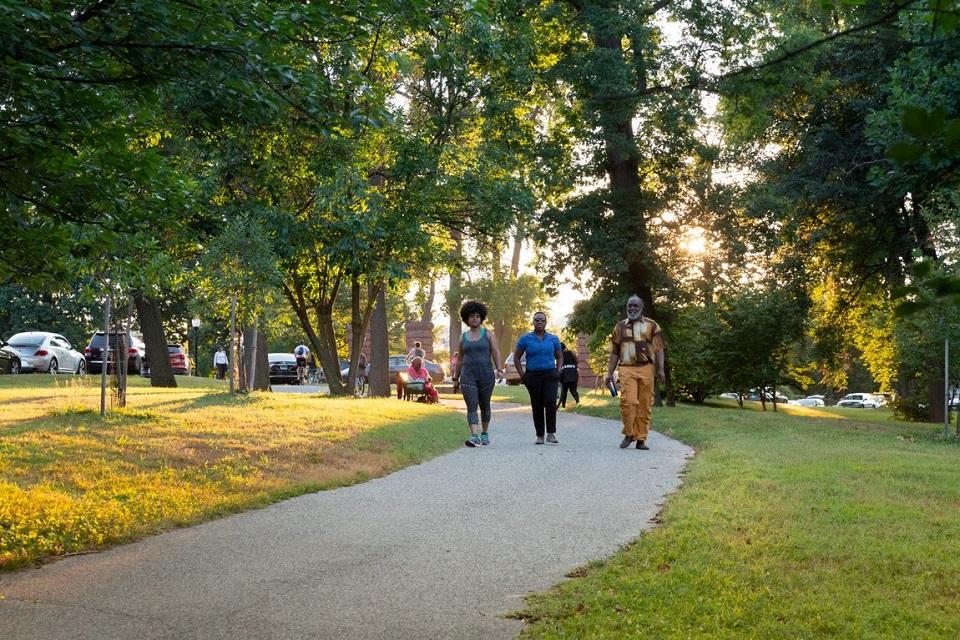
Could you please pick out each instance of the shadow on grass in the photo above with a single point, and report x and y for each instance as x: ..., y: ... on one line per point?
x: 130, y: 483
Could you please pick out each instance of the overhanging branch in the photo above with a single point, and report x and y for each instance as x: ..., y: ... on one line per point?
x: 710, y: 83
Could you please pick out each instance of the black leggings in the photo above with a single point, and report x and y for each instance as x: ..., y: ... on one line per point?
x: 542, y: 387
x: 572, y: 387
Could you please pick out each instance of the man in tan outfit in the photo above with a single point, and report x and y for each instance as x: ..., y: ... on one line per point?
x: 636, y: 345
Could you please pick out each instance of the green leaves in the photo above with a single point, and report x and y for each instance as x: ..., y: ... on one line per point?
x: 828, y: 5
x: 930, y: 287
x: 923, y: 124
x: 935, y: 138
x: 905, y: 152
x: 943, y: 15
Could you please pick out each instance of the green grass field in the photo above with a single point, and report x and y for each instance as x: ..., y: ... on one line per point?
x: 807, y: 523
x: 71, y: 482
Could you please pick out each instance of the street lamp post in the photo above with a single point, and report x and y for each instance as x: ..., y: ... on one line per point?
x: 196, y: 347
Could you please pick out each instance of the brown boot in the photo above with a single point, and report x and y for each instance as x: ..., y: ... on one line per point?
x: 642, y: 445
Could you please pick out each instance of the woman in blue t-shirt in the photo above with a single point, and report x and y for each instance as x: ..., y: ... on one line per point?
x: 543, y: 360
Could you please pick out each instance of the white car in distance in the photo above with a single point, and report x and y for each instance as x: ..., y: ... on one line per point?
x: 809, y: 401
x: 859, y: 401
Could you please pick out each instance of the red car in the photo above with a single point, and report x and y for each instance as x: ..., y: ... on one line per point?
x: 179, y: 361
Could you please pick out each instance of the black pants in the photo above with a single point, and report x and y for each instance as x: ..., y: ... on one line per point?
x: 542, y: 387
x: 221, y: 371
x: 572, y: 387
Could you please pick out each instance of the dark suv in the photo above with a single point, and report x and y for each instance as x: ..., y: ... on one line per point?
x: 93, y: 353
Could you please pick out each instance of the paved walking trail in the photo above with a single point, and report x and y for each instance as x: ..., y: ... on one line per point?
x: 439, y: 550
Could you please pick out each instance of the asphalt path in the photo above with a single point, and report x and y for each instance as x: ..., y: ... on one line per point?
x: 439, y: 550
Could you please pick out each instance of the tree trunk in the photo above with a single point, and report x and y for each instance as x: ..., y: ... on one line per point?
x: 242, y: 385
x: 505, y: 336
x: 323, y: 339
x: 252, y: 341
x: 360, y: 313
x: 499, y: 322
x: 233, y: 337
x: 935, y: 397
x: 255, y: 359
x: 123, y: 363
x: 326, y: 347
x: 621, y: 159
x: 517, y: 248
x: 356, y: 332
x: 453, y: 295
x: 668, y: 382
x: 379, y: 349
x: 120, y: 393
x: 426, y: 314
x: 151, y: 324
x: 104, y: 356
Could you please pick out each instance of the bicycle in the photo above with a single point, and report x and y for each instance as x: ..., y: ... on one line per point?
x: 360, y: 386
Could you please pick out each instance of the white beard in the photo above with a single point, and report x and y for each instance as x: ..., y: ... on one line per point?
x: 634, y: 315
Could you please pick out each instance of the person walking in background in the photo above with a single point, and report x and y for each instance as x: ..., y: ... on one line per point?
x: 542, y: 375
x: 416, y: 352
x: 362, y: 378
x: 636, y: 346
x: 477, y: 358
x: 221, y: 362
x: 569, y: 376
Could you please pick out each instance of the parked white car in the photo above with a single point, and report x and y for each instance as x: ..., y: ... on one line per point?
x: 47, y: 352
x: 809, y: 401
x: 859, y: 401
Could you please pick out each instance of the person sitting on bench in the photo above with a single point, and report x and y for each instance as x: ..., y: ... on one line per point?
x: 416, y: 372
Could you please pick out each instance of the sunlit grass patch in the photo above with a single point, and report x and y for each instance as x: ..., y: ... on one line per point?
x: 787, y: 526
x: 70, y: 480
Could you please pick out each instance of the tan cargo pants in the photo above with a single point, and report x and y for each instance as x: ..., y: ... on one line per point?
x: 636, y: 400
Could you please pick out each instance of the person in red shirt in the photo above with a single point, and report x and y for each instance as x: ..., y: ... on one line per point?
x: 416, y: 371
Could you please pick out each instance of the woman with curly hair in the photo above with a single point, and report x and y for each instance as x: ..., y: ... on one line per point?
x: 477, y: 357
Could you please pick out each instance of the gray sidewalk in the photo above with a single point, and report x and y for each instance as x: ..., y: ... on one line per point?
x: 439, y: 550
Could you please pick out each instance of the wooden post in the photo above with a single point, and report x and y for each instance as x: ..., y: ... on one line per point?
x: 104, y: 355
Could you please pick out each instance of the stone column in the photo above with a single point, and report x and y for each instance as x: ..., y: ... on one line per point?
x: 421, y: 332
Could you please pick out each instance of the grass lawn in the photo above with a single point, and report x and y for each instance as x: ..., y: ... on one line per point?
x: 808, y: 523
x: 70, y: 482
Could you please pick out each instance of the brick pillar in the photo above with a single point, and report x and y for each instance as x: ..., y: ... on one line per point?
x: 366, y: 342
x: 421, y: 332
x: 588, y: 378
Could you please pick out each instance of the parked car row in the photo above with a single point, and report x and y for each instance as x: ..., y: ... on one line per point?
x: 851, y: 400
x: 47, y: 352
x: 42, y: 351
x: 755, y: 396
